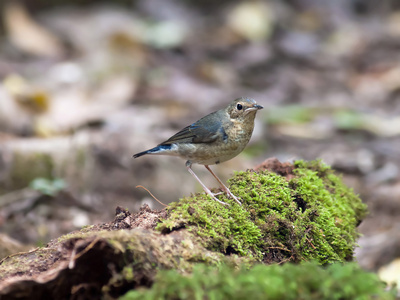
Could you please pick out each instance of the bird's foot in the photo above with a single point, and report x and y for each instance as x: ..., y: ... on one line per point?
x: 226, y: 190
x: 206, y: 189
x: 230, y: 195
x: 215, y: 198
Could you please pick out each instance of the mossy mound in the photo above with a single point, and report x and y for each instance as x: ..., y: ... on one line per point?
x: 305, y: 214
x: 291, y: 212
x: 306, y: 281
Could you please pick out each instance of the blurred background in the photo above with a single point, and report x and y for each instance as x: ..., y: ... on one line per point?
x: 86, y: 84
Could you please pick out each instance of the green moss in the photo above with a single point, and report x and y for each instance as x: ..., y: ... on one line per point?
x: 311, y: 216
x: 218, y: 227
x: 305, y: 281
x: 128, y: 274
x: 87, y: 228
x: 339, y: 210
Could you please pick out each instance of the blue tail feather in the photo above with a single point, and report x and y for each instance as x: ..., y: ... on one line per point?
x: 154, y: 150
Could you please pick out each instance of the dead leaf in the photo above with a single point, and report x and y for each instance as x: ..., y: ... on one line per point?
x: 27, y: 35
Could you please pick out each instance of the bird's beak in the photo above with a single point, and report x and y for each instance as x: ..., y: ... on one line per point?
x: 253, y: 108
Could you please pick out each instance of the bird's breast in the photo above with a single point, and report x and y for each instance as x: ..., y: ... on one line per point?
x: 240, y: 132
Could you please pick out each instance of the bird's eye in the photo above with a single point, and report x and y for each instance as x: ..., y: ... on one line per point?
x: 239, y: 106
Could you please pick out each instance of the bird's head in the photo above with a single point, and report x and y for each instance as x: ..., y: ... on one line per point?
x: 243, y: 108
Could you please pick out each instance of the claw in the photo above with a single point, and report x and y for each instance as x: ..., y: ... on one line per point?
x: 229, y: 194
x: 227, y: 191
x: 206, y: 189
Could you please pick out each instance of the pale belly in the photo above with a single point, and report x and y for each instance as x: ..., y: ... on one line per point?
x: 211, y: 154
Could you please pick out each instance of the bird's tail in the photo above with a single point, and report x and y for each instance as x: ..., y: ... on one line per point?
x: 156, y: 150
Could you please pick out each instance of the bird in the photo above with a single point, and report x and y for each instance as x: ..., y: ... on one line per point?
x: 214, y: 139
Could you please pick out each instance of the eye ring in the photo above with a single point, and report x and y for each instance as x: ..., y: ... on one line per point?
x: 239, y: 106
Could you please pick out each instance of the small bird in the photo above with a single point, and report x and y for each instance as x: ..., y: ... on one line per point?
x: 213, y: 139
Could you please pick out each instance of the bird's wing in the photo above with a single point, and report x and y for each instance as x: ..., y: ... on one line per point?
x: 205, y: 130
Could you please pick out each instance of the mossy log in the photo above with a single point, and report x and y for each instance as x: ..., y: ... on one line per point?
x: 290, y: 213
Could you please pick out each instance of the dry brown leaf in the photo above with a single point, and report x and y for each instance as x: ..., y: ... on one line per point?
x: 27, y: 35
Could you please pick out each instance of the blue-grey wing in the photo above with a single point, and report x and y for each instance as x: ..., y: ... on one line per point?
x: 206, y: 130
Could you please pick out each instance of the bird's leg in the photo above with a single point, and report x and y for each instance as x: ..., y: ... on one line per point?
x: 206, y: 189
x: 227, y: 191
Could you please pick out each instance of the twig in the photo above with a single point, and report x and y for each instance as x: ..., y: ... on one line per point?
x: 141, y: 186
x: 285, y: 260
x: 75, y: 256
x: 19, y: 253
x: 310, y: 243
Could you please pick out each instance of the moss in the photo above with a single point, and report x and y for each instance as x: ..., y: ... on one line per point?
x: 75, y: 235
x: 310, y: 215
x: 305, y: 281
x: 339, y: 210
x: 218, y: 227
x: 87, y: 228
x: 22, y: 262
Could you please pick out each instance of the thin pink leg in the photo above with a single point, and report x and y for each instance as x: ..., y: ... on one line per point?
x: 227, y: 191
x: 204, y: 187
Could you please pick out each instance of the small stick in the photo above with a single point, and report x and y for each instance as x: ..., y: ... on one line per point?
x: 285, y: 260
x: 75, y: 256
x: 310, y: 243
x: 141, y: 186
x: 19, y: 253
